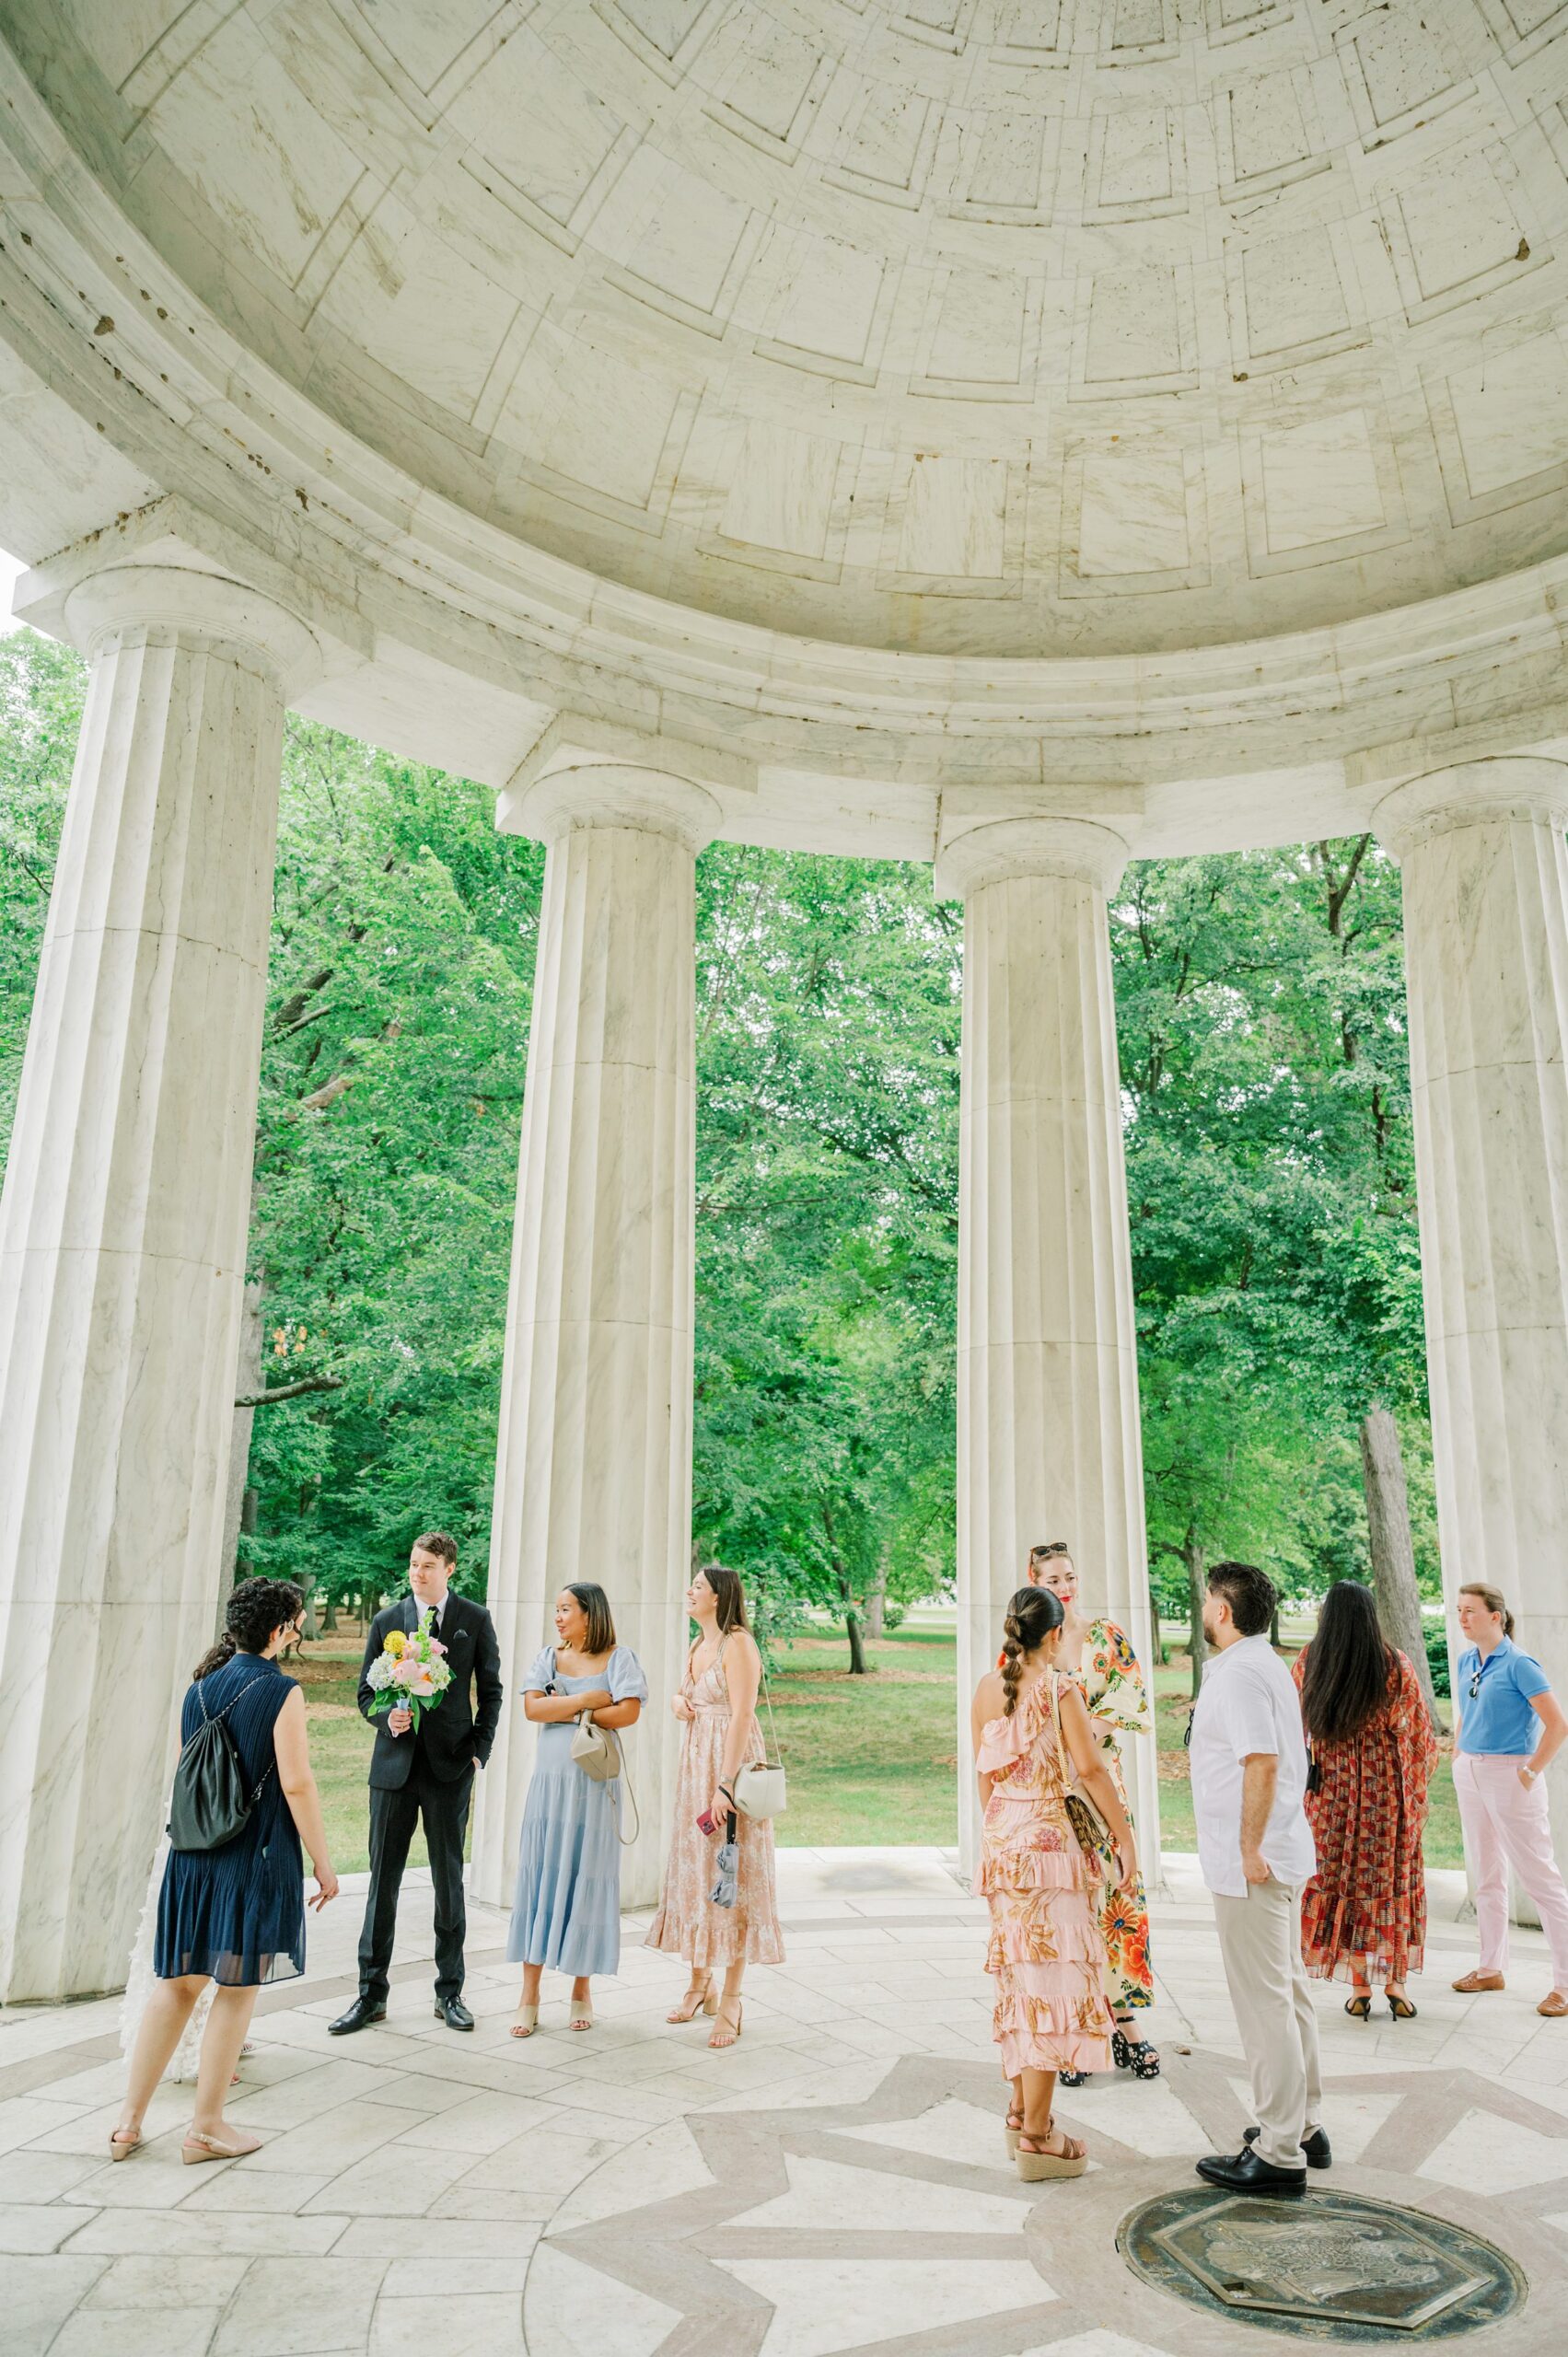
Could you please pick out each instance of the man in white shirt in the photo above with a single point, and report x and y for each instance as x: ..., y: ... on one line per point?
x: 1255, y: 1848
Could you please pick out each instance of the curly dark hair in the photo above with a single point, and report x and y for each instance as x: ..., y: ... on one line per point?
x: 255, y: 1610
x: 1032, y: 1614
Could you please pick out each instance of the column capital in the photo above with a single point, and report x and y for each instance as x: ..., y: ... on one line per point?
x: 207, y: 607
x: 570, y: 784
x: 1079, y: 850
x: 1469, y: 794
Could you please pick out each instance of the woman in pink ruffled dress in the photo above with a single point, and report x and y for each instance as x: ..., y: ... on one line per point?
x: 1032, y: 1739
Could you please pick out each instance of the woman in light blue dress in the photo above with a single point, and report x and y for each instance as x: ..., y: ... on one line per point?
x: 567, y: 1913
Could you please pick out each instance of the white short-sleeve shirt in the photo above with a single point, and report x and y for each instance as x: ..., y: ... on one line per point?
x: 1247, y: 1704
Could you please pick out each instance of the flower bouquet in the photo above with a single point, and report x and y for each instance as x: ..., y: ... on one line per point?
x: 408, y: 1673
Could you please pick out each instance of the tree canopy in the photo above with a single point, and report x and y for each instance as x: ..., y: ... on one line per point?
x: 1276, y: 1275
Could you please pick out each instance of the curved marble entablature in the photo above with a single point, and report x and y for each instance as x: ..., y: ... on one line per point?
x: 141, y: 418
x: 1001, y: 327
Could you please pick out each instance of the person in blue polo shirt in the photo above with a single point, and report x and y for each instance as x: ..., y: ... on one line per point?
x: 1508, y: 1725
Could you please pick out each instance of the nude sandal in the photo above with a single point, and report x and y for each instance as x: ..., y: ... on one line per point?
x: 123, y: 2143
x: 1012, y: 2128
x: 724, y: 2036
x: 696, y: 2001
x: 211, y: 2148
x: 581, y: 2014
x: 526, y: 2023
x: 1034, y: 2164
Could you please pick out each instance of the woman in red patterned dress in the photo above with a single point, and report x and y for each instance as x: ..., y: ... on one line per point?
x: 1363, y: 1913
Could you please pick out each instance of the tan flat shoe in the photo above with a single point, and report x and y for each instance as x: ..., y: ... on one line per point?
x: 1471, y: 1984
x: 1554, y: 2006
x: 196, y: 2149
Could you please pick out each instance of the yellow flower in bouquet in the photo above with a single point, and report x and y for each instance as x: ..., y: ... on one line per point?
x: 408, y: 1673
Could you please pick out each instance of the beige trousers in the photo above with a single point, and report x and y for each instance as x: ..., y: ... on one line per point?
x: 1261, y: 1949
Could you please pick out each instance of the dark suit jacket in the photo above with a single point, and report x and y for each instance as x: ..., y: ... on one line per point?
x: 453, y: 1733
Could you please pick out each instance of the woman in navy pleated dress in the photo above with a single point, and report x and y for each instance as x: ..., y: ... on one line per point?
x: 567, y: 1913
x: 235, y: 1915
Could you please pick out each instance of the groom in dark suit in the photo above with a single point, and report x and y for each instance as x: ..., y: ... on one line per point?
x: 427, y: 1773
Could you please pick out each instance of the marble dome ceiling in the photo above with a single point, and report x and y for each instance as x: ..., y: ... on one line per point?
x: 983, y: 327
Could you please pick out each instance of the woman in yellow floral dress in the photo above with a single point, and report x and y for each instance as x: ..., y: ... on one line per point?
x: 1047, y: 1951
x: 1098, y: 1656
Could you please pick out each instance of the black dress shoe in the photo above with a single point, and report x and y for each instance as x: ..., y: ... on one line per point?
x: 454, y: 2013
x: 1248, y: 2172
x: 360, y: 2014
x: 1315, y: 2146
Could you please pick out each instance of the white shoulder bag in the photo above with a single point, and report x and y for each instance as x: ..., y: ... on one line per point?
x: 598, y: 1753
x: 760, y: 1789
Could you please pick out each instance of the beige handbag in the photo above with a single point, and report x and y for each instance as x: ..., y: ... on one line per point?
x: 760, y: 1789
x: 1095, y: 1838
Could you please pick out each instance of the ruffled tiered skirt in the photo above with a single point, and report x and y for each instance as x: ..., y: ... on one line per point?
x: 1047, y: 1952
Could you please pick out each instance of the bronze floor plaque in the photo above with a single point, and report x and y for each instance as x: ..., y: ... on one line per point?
x: 1333, y: 2267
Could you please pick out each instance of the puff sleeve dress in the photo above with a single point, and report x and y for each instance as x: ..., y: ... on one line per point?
x: 567, y: 1910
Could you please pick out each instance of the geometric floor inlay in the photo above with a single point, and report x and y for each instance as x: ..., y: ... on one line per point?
x: 1337, y: 2267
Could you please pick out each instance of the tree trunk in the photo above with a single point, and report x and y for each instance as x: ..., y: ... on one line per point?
x: 247, y: 1380
x: 330, y: 1618
x: 311, y: 1628
x: 875, y: 1606
x: 1388, y: 1542
x: 858, y: 1665
x: 1156, y: 1635
x: 1197, y: 1588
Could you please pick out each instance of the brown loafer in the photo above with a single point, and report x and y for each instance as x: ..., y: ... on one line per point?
x: 1473, y: 1982
x: 1554, y: 2006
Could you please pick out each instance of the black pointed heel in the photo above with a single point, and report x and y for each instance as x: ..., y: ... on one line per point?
x: 1359, y: 2008
x: 1401, y: 2010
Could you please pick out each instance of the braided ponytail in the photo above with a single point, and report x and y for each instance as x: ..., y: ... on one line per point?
x: 1032, y: 1616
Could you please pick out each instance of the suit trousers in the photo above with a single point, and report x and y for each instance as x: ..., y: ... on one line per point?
x: 1505, y: 1826
x: 1261, y: 1949
x: 444, y: 1806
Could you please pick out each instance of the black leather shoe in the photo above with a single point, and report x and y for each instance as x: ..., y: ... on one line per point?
x: 1246, y: 2172
x: 454, y: 2013
x: 1315, y: 2146
x: 360, y: 2014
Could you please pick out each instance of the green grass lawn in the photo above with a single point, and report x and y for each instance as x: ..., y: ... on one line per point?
x: 871, y: 1759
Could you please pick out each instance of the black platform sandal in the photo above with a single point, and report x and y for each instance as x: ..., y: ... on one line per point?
x: 1359, y: 2007
x: 1074, y: 2078
x: 1135, y: 2054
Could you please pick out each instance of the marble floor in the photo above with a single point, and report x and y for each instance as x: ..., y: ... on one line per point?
x: 837, y: 2183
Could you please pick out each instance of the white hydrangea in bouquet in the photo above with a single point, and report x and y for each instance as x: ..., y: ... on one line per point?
x: 410, y: 1672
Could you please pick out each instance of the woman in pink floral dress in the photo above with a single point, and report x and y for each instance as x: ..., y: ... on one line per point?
x: 1048, y: 1954
x: 716, y: 1703
x: 1094, y: 1652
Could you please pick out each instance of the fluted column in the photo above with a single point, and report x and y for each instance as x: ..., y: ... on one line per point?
x: 1048, y: 1378
x: 594, y: 1464
x: 1485, y: 879
x: 123, y: 1235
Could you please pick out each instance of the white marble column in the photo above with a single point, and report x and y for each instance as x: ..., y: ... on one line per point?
x: 1048, y: 1378
x: 594, y: 1461
x: 1485, y: 877
x: 122, y: 1235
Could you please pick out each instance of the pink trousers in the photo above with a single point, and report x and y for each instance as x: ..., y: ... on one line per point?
x: 1506, y: 1826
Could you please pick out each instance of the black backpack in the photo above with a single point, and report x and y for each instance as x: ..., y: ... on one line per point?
x: 209, y: 1804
